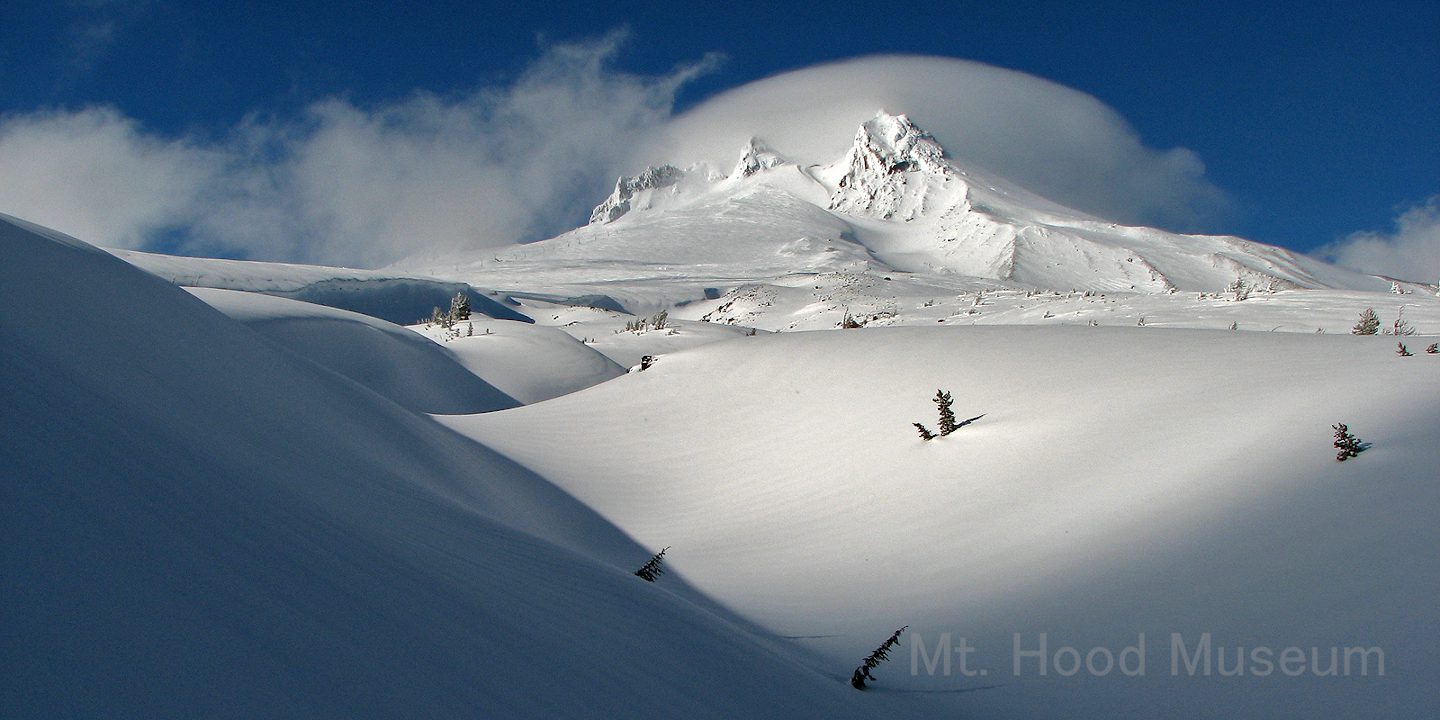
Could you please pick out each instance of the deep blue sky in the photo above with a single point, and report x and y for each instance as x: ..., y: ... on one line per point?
x: 1319, y: 118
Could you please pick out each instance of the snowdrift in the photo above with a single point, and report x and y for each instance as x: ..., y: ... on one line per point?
x: 384, y: 357
x: 389, y: 296
x: 529, y: 362
x: 1123, y: 481
x: 197, y: 523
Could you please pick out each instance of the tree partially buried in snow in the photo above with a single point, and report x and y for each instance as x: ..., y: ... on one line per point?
x: 652, y: 569
x: 871, y: 661
x: 1346, y: 444
x: 943, y: 401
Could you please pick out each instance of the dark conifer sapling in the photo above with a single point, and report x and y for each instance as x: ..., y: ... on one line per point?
x: 943, y: 401
x: 1346, y: 444
x: 651, y: 570
x: 881, y: 654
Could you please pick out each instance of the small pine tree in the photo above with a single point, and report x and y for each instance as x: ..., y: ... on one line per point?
x: 439, y: 318
x: 658, y: 322
x: 1401, y: 350
x: 1239, y: 289
x: 1401, y: 326
x: 651, y: 570
x: 1369, y: 323
x: 943, y: 401
x: 1346, y: 444
x: 948, y: 425
x: 871, y: 661
x: 460, y: 307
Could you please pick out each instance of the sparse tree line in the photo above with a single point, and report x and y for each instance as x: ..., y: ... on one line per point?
x: 1369, y: 324
x: 658, y: 321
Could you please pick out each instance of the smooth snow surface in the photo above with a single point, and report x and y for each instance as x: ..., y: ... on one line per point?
x: 529, y: 362
x: 1122, y: 481
x: 391, y: 360
x: 198, y: 523
x: 395, y: 297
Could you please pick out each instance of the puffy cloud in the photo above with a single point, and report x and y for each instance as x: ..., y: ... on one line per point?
x: 345, y: 183
x: 1410, y: 252
x: 97, y: 175
x: 1053, y: 140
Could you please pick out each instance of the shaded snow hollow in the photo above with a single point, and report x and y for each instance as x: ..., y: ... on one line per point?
x: 198, y: 523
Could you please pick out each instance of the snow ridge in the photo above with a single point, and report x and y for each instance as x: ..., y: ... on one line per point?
x: 628, y: 187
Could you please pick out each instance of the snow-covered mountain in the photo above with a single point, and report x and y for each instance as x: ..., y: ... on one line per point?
x: 220, y: 504
x: 896, y: 202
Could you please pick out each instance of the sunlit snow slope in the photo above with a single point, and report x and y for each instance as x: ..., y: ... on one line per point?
x: 1122, y: 481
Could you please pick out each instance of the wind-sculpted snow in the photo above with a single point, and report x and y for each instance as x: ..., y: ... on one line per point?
x: 1122, y: 481
x: 197, y: 523
x: 527, y: 361
x: 389, y: 296
x: 411, y: 370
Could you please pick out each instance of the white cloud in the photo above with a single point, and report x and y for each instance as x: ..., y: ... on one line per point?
x: 1053, y: 140
x: 97, y: 175
x: 351, y: 184
x: 1410, y: 252
x: 345, y: 183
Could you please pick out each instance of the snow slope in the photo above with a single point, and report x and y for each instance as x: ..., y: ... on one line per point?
x: 198, y: 523
x: 1122, y: 481
x: 396, y: 297
x: 529, y: 362
x: 391, y: 360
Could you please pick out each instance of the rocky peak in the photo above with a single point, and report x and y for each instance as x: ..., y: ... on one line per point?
x: 628, y: 186
x: 756, y: 157
x: 889, y: 169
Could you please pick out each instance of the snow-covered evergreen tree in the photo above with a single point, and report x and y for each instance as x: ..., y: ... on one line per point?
x: 460, y: 307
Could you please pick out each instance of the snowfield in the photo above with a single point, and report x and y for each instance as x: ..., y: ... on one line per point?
x: 197, y: 523
x: 1122, y: 481
x: 225, y: 492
